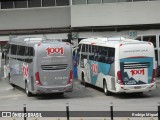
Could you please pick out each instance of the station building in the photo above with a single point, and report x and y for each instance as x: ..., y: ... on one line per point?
x: 81, y: 19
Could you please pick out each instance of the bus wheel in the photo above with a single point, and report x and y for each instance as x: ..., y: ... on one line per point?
x: 27, y: 91
x: 83, y: 80
x: 9, y: 80
x: 106, y: 92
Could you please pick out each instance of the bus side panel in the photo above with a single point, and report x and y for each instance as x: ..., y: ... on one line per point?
x: 96, y: 72
x: 14, y: 71
x: 29, y: 79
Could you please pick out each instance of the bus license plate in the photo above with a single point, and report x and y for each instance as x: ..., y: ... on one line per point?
x: 137, y: 87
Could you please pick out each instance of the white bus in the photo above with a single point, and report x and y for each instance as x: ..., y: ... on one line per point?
x: 117, y: 64
x: 40, y: 66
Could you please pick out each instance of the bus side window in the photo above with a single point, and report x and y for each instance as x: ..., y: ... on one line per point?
x: 95, y: 49
x: 26, y: 51
x: 21, y: 50
x: 20, y: 53
x: 84, y: 52
x: 26, y: 54
x: 14, y: 49
x: 111, y: 55
x: 91, y: 56
x: 31, y: 51
x: 105, y: 54
x: 101, y: 55
x: 31, y: 54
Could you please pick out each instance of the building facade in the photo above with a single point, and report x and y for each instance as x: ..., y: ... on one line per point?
x: 82, y: 18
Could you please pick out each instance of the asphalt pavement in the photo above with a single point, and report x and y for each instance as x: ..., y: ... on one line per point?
x: 81, y: 99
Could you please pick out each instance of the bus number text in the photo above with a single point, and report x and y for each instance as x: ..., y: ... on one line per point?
x: 135, y: 72
x: 94, y: 69
x: 55, y: 50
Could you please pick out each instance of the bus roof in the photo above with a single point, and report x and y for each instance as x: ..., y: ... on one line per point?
x: 32, y: 40
x: 111, y: 42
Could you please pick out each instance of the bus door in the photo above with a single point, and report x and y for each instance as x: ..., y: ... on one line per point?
x: 78, y: 61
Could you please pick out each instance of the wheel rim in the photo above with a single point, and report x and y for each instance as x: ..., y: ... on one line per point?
x: 83, y: 79
x: 105, y: 88
x: 27, y: 89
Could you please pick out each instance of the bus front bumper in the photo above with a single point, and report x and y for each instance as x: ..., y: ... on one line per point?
x: 135, y: 88
x: 51, y: 89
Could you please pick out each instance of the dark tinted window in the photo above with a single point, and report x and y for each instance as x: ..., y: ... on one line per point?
x: 139, y: 0
x: 102, y: 54
x: 46, y: 3
x: 6, y: 4
x: 62, y: 2
x: 34, y: 3
x: 84, y: 53
x: 13, y: 49
x: 150, y: 39
x: 20, y: 3
x: 21, y: 50
x: 93, y: 1
x: 31, y: 51
x: 90, y: 48
x: 156, y: 55
x: 79, y: 47
x: 76, y: 2
x: 83, y: 48
x: 109, y: 1
x: 124, y: 0
x: 138, y: 38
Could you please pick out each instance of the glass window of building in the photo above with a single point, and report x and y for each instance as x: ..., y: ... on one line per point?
x: 138, y: 38
x: 46, y: 3
x: 62, y: 2
x: 109, y: 1
x: 156, y: 55
x: 124, y: 0
x: 139, y: 0
x: 93, y: 1
x: 20, y: 3
x: 6, y: 4
x: 159, y: 41
x: 150, y: 39
x: 77, y: 2
x: 34, y: 3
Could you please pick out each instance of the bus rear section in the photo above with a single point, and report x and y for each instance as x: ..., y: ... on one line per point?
x: 136, y: 68
x: 53, y: 73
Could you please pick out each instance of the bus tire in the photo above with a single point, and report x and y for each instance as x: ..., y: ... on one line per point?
x: 29, y: 94
x: 83, y: 80
x: 9, y: 80
x: 106, y: 92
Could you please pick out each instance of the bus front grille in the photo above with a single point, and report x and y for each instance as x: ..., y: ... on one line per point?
x: 54, y: 67
x: 130, y: 65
